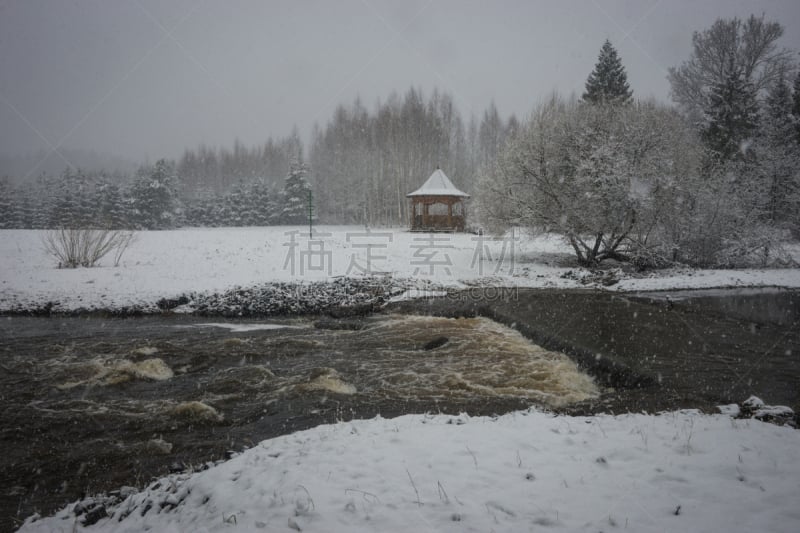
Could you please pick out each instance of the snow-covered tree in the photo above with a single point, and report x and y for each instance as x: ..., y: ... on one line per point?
x: 627, y: 183
x: 8, y: 213
x: 608, y: 82
x: 490, y: 136
x: 733, y: 91
x: 731, y: 54
x: 595, y: 174
x: 295, y: 194
x: 154, y: 198
x: 203, y: 209
x: 796, y: 104
x: 25, y: 209
x: 110, y: 209
x: 236, y: 206
x: 731, y: 115
x: 43, y: 202
x: 365, y: 162
x: 263, y: 204
x: 71, y: 205
x: 778, y: 153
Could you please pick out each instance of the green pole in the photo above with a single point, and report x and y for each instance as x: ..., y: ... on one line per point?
x: 310, y: 213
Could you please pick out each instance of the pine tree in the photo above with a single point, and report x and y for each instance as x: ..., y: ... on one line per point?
x: 110, y: 209
x: 8, y: 214
x: 261, y: 204
x: 778, y: 154
x: 731, y: 118
x: 796, y: 105
x: 154, y: 197
x: 44, y: 203
x: 237, y: 206
x: 608, y: 83
x: 25, y: 210
x: 70, y: 207
x: 295, y: 194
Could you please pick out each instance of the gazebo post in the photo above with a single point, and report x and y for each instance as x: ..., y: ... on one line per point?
x: 450, y: 213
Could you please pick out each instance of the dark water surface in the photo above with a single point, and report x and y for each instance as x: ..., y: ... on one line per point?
x: 657, y: 350
x: 91, y: 404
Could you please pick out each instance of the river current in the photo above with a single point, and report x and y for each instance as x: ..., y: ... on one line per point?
x: 91, y: 404
x: 94, y: 404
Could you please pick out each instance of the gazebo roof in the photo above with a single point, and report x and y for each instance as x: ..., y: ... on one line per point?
x: 438, y: 185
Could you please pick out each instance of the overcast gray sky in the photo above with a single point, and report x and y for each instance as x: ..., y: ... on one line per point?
x: 145, y: 79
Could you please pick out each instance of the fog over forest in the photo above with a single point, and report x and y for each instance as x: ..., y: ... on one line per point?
x: 145, y: 80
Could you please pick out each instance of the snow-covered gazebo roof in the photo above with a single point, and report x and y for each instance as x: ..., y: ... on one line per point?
x: 438, y: 185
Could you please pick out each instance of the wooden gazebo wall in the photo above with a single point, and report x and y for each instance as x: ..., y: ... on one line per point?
x: 423, y: 220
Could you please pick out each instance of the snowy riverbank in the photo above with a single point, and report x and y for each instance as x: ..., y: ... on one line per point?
x: 524, y: 471
x: 210, y: 262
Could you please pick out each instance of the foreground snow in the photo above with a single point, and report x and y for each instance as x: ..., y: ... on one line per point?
x: 524, y: 471
x: 166, y: 264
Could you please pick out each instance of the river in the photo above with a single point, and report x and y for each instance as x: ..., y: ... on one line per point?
x: 92, y: 404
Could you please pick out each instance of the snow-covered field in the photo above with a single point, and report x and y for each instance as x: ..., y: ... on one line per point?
x: 170, y: 263
x: 524, y: 471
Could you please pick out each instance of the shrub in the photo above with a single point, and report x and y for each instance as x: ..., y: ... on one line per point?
x: 85, y: 247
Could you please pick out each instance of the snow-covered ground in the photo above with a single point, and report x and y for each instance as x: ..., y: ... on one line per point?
x: 167, y: 264
x: 525, y: 471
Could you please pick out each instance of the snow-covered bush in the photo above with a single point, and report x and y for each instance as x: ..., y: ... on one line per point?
x: 717, y: 219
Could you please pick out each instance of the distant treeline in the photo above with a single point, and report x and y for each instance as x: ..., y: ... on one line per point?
x: 151, y: 201
x: 359, y: 167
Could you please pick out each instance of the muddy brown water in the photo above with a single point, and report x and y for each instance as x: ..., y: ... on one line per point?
x: 92, y: 404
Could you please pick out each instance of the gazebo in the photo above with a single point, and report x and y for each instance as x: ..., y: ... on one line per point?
x: 438, y: 205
